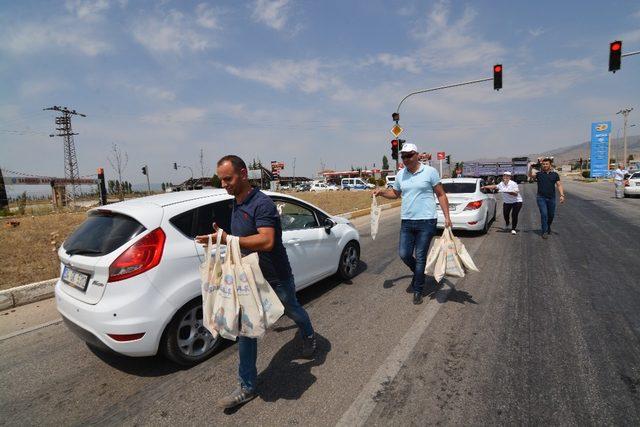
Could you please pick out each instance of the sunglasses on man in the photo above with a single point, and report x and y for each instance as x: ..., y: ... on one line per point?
x: 407, y: 155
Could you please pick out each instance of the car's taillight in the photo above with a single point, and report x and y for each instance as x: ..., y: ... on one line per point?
x: 473, y: 205
x: 126, y: 337
x: 140, y: 257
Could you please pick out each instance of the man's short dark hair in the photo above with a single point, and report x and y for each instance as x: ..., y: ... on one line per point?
x: 236, y: 162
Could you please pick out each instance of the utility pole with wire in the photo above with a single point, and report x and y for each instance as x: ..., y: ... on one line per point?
x: 625, y: 113
x: 63, y: 126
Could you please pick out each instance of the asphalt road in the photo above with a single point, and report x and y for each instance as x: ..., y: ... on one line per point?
x: 547, y: 332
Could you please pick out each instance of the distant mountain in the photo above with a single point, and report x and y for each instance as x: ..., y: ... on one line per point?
x: 574, y: 152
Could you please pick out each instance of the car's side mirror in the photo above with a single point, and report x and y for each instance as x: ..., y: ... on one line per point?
x: 328, y: 225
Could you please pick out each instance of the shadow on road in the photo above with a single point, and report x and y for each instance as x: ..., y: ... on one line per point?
x: 154, y: 366
x: 317, y: 290
x: 288, y: 377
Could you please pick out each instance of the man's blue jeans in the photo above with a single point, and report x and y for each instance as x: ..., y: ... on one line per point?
x: 248, y: 347
x: 547, y: 208
x: 415, y: 236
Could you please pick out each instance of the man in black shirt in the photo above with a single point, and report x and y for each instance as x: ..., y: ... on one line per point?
x: 548, y: 180
x: 256, y: 221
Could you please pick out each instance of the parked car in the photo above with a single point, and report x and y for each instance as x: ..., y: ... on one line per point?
x: 130, y: 281
x: 303, y: 187
x: 390, y: 179
x: 470, y: 208
x: 322, y: 186
x: 632, y: 185
x: 355, y: 184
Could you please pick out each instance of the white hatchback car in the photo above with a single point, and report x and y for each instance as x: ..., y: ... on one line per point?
x: 632, y: 185
x: 129, y: 273
x: 470, y: 208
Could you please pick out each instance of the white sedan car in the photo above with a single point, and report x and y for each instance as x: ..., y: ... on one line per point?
x: 632, y: 185
x: 129, y: 273
x: 470, y: 208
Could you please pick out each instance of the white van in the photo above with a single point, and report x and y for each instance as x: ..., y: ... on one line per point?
x: 355, y: 184
x: 390, y: 179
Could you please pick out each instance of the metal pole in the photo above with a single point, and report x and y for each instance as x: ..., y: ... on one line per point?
x: 440, y: 168
x: 148, y: 184
x: 630, y: 53
x: 442, y: 87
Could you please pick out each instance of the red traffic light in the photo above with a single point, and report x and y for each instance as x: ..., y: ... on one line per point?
x: 497, y: 68
x: 616, y: 46
x: 615, y: 55
x: 394, y: 142
x: 497, y: 76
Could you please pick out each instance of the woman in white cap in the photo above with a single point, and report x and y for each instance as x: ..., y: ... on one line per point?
x: 511, y: 198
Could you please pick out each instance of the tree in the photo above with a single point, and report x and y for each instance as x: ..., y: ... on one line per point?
x: 118, y: 161
x: 630, y: 158
x: 164, y: 187
x: 385, y: 162
x: 215, y: 181
x: 112, y: 186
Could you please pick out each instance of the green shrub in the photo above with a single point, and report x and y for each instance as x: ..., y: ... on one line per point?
x: 586, y: 173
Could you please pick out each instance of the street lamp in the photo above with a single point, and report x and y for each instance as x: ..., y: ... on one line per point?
x: 176, y: 166
x: 625, y: 113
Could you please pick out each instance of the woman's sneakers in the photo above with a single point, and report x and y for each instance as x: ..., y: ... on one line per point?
x: 514, y: 232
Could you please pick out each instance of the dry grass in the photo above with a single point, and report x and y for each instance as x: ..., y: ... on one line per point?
x: 338, y: 202
x: 29, y: 251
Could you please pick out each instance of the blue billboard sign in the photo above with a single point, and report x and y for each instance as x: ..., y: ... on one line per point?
x: 600, y: 149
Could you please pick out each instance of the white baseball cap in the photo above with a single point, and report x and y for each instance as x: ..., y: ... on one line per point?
x: 506, y: 173
x: 407, y: 148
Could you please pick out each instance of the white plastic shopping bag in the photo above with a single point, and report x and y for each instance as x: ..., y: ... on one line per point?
x: 210, y: 274
x: 448, y: 257
x: 251, y: 316
x: 272, y: 308
x: 226, y: 308
x: 375, y: 217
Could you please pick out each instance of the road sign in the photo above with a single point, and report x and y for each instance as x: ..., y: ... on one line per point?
x: 441, y: 155
x: 600, y: 149
x: 396, y: 130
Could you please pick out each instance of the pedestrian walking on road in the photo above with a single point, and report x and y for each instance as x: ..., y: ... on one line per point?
x: 417, y: 183
x: 618, y: 180
x: 548, y: 180
x: 511, y: 200
x: 256, y: 221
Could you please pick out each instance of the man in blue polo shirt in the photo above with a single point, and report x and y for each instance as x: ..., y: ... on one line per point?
x: 256, y: 221
x: 417, y: 184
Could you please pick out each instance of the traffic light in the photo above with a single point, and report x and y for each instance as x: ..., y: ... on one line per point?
x: 175, y: 165
x: 497, y: 76
x: 615, y: 55
x: 448, y: 159
x: 144, y: 170
x: 394, y: 149
x: 395, y: 117
x: 400, y: 144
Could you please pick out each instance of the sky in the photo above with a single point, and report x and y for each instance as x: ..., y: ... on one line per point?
x: 307, y: 82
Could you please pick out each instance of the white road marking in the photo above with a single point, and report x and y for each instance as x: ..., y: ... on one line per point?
x: 31, y: 329
x: 361, y: 408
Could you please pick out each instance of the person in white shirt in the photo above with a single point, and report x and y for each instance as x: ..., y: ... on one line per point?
x: 511, y: 198
x: 618, y: 179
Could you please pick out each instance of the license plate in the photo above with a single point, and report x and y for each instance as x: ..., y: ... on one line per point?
x: 74, y: 278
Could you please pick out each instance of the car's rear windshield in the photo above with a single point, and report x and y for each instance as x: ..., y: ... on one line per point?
x: 102, y: 233
x: 635, y: 175
x: 459, y: 187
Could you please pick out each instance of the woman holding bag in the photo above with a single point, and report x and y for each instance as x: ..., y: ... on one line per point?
x: 256, y: 222
x: 511, y: 200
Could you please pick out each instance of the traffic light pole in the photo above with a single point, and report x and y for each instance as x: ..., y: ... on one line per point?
x: 148, y: 183
x: 433, y: 89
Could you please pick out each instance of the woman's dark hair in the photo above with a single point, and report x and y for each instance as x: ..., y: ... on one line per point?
x: 236, y: 162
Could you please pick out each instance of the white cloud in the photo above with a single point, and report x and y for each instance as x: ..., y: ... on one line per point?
x: 31, y: 38
x: 180, y: 115
x: 397, y: 62
x: 584, y: 64
x: 630, y: 37
x: 455, y: 40
x: 206, y: 17
x: 273, y: 13
x: 39, y: 87
x: 89, y: 10
x: 154, y: 93
x: 310, y: 76
x: 536, y: 32
x: 173, y: 32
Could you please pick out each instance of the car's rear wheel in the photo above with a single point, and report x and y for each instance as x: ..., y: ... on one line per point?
x: 485, y: 226
x: 186, y: 341
x: 349, y: 261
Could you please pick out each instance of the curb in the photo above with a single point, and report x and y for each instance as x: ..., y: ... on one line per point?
x: 26, y: 294
x: 367, y: 211
x: 33, y: 292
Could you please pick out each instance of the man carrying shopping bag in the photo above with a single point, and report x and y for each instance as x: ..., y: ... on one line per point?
x: 417, y: 184
x: 256, y: 222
